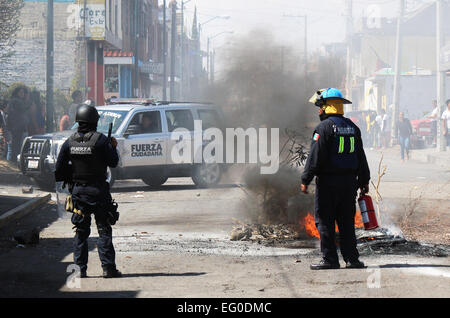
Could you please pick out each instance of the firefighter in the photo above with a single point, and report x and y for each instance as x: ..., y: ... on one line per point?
x: 90, y: 153
x: 338, y: 162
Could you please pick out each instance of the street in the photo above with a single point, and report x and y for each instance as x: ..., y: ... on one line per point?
x: 175, y: 242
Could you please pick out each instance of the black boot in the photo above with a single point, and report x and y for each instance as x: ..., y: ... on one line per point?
x: 83, y: 274
x: 324, y: 264
x: 111, y: 273
x: 355, y: 264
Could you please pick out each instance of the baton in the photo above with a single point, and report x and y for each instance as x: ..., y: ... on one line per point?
x: 110, y: 130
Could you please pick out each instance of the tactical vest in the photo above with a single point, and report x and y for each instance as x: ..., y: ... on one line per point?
x: 88, y: 166
x: 344, y: 156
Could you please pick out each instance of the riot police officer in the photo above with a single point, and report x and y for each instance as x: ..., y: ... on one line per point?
x: 338, y: 162
x: 82, y: 163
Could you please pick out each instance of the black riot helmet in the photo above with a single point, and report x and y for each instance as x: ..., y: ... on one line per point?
x: 87, y: 114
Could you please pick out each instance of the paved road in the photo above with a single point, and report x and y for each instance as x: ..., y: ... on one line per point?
x: 174, y: 242
x: 413, y: 170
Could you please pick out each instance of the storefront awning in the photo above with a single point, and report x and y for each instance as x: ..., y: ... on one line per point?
x: 118, y: 57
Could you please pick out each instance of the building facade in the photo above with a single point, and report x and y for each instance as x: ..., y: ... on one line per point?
x: 107, y: 48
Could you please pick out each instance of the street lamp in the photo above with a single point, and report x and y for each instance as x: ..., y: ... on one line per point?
x: 207, y: 50
x: 223, y: 17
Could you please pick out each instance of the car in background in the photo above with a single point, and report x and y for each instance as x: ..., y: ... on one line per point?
x: 423, y: 133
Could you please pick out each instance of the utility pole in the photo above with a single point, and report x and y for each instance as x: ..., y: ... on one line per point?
x: 213, y: 62
x: 136, y: 49
x: 164, y: 52
x: 208, y: 60
x: 50, y: 70
x: 182, y: 51
x: 440, y: 74
x: 398, y: 70
x: 349, y: 40
x: 173, y: 50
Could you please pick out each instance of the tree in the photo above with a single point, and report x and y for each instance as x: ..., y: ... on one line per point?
x: 9, y: 25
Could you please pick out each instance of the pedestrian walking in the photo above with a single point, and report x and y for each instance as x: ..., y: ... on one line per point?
x: 404, y: 132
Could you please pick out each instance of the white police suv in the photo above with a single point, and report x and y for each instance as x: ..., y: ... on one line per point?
x: 144, y: 130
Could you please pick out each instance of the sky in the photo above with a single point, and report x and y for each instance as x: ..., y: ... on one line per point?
x: 326, y: 18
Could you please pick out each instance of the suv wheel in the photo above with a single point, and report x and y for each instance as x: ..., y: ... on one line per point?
x: 155, y: 181
x: 207, y: 175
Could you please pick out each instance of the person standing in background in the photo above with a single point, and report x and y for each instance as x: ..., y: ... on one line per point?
x: 37, y: 120
x: 378, y: 124
x: 434, y: 116
x: 4, y: 138
x: 77, y: 97
x: 385, y: 129
x: 446, y: 123
x: 64, y: 122
x: 404, y: 132
x: 17, y: 120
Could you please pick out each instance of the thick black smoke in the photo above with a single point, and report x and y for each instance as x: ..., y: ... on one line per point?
x: 263, y: 83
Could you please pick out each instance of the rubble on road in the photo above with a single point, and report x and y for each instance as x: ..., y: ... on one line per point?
x: 374, y: 242
x: 27, y: 189
x: 261, y: 232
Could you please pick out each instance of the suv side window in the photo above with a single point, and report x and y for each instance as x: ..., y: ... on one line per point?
x: 146, y: 123
x: 209, y: 118
x: 181, y: 118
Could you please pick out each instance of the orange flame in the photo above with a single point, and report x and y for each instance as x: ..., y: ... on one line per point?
x: 309, y: 224
x: 358, y: 220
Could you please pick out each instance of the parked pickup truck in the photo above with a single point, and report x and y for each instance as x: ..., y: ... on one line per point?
x: 144, y: 153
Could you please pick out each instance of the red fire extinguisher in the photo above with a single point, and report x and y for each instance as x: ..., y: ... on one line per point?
x: 367, y: 212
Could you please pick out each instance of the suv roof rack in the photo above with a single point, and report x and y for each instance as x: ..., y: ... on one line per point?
x: 138, y: 101
x: 169, y: 102
x: 149, y: 101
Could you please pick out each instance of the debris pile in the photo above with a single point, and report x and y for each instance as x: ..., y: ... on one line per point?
x: 264, y: 232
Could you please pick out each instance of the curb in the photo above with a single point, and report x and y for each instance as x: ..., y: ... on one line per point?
x: 24, y: 209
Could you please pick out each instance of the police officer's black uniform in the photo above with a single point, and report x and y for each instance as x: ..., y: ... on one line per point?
x: 89, y: 153
x: 338, y: 161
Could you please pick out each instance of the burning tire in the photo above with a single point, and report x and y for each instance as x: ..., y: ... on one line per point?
x: 207, y: 175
